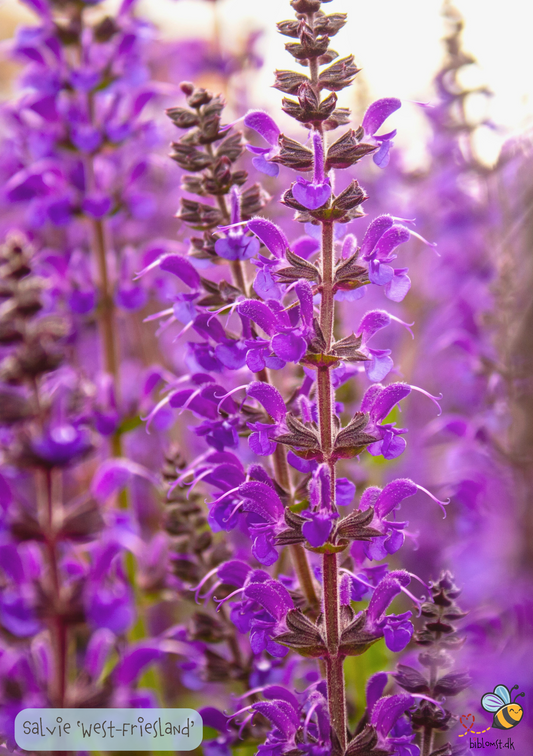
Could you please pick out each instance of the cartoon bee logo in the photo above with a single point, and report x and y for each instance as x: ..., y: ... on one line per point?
x: 507, y: 713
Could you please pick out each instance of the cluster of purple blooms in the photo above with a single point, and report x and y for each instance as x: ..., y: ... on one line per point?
x: 248, y: 329
x: 105, y: 525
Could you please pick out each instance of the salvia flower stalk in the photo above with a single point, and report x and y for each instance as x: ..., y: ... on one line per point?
x: 241, y: 334
x: 438, y: 638
x: 79, y: 187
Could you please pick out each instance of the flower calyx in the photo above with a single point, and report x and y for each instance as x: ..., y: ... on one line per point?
x: 339, y: 75
x: 218, y: 294
x: 299, y: 268
x: 303, y: 636
x: 355, y: 637
x: 354, y: 527
x: 343, y: 208
x: 349, y: 275
x: 303, y: 438
x: 352, y: 440
x: 344, y: 350
x: 348, y: 150
x: 293, y: 155
x: 364, y: 744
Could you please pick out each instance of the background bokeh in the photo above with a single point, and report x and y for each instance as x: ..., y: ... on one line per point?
x: 397, y: 44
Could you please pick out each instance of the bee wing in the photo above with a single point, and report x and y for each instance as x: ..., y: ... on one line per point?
x: 492, y: 702
x: 503, y: 693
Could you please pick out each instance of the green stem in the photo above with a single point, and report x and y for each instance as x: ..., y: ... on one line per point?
x: 327, y: 307
x: 325, y: 401
x: 334, y: 660
x: 428, y: 735
x: 106, y: 309
x: 48, y: 491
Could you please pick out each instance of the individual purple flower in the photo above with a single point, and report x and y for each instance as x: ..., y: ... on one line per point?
x: 385, y: 502
x: 265, y: 126
x: 378, y: 247
x: 382, y: 237
x: 386, y: 715
x: 396, y: 629
x: 320, y: 516
x: 289, y: 331
x: 376, y: 114
x: 378, y: 401
x: 305, y: 728
x: 275, y: 600
x: 62, y: 442
x: 236, y: 245
x: 379, y: 363
x: 314, y: 194
x: 130, y: 296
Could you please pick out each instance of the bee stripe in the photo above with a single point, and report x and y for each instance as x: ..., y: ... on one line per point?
x: 508, y: 718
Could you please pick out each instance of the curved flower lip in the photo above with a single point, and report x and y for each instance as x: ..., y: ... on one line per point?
x: 388, y: 710
x: 271, y: 235
x: 375, y: 116
x: 265, y: 126
x: 374, y: 320
x: 378, y: 112
x: 176, y: 264
x: 272, y: 596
